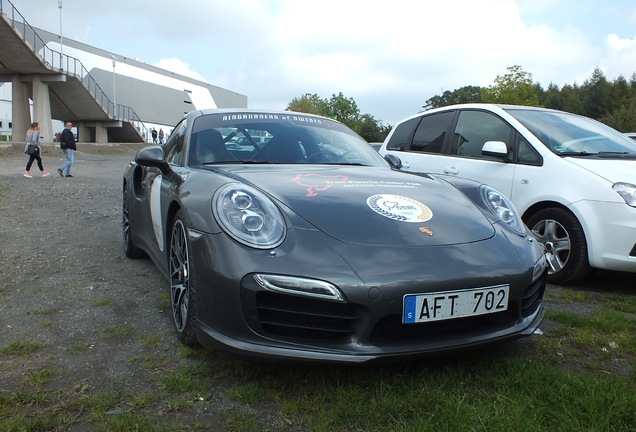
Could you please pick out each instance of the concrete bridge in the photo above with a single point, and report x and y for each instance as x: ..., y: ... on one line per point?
x: 59, y: 86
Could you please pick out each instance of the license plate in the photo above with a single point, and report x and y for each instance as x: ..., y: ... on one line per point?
x: 454, y: 304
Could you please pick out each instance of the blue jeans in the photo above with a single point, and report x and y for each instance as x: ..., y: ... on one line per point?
x: 69, y: 160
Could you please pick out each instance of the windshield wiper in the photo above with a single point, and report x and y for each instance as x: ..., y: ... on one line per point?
x: 621, y: 155
x: 226, y: 162
x: 600, y: 154
x: 256, y: 162
x: 581, y: 153
x: 349, y: 163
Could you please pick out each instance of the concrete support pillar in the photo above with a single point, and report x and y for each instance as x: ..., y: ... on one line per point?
x: 83, y: 133
x: 42, y: 108
x: 21, y: 113
x: 101, y: 133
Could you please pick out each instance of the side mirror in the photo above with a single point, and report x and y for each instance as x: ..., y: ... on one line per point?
x: 394, y: 161
x: 497, y: 149
x: 152, y: 156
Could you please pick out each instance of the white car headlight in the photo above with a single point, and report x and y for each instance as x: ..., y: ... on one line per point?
x: 503, y: 208
x: 627, y: 191
x: 249, y: 216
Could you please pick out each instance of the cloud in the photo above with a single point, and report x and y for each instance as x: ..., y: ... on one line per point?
x: 178, y: 66
x: 616, y: 44
x: 619, y: 57
x: 389, y: 57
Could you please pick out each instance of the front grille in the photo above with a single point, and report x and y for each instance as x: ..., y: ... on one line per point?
x: 295, y: 317
x: 302, y: 319
x: 390, y: 330
x: 532, y: 296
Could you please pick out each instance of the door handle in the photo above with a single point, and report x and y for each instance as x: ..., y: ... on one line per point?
x: 451, y: 171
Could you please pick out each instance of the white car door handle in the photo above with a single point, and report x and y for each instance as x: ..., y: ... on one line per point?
x: 406, y: 164
x: 451, y: 171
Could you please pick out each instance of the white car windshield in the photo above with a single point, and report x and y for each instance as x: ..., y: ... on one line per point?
x: 568, y: 134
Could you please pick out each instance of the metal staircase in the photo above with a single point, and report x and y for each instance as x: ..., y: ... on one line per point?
x: 74, y: 94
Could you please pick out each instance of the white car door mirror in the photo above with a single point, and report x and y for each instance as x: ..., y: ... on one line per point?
x: 497, y: 149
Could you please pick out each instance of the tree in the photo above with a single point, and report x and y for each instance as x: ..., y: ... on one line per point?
x: 623, y: 119
x: 467, y: 94
x: 596, y: 92
x: 309, y: 103
x: 571, y: 96
x: 552, y: 98
x: 515, y: 88
x: 620, y: 93
x: 345, y: 110
x: 342, y: 109
x: 611, y: 102
x: 371, y: 129
x: 632, y: 83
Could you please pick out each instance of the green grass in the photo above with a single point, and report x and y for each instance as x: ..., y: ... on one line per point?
x: 40, y: 377
x: 241, y: 423
x: 118, y: 331
x: 164, y: 302
x: 518, y: 393
x: 20, y: 348
x: 150, y: 340
x: 77, y: 349
x: 249, y: 393
x: 100, y: 302
x: 579, y: 375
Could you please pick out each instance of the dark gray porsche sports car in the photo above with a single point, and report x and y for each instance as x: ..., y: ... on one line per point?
x: 286, y: 236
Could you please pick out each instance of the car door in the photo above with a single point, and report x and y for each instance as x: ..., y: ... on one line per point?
x: 460, y: 155
x: 155, y: 188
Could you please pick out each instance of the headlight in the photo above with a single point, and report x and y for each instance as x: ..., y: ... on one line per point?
x: 249, y: 216
x: 503, y: 208
x: 627, y: 191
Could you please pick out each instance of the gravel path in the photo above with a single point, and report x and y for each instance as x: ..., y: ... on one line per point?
x: 67, y: 285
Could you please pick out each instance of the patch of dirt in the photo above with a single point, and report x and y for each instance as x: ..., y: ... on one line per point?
x: 68, y: 287
x: 97, y: 315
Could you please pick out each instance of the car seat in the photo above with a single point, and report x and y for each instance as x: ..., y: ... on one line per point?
x: 210, y: 147
x: 284, y: 149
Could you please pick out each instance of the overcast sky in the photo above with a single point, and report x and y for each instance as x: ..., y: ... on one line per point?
x: 389, y: 56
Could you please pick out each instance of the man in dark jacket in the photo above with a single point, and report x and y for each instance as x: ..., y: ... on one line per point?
x: 68, y: 146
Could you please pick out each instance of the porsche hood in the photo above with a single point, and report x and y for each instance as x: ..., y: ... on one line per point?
x: 373, y: 206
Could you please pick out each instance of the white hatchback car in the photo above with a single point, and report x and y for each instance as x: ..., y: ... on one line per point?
x: 571, y: 178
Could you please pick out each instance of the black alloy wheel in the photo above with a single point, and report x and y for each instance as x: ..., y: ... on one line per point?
x: 182, y: 293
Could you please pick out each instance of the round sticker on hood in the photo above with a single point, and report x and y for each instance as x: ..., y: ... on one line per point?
x: 399, y: 208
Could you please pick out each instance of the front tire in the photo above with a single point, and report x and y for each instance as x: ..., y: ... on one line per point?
x: 182, y: 292
x: 563, y: 240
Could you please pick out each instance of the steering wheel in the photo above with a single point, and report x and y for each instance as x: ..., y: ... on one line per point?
x: 323, y: 156
x: 350, y: 151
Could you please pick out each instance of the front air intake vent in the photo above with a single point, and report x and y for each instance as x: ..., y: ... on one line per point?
x: 295, y: 317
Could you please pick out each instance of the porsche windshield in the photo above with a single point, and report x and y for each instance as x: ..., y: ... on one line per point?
x: 281, y: 139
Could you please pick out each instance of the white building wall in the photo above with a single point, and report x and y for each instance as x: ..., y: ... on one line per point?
x: 5, y: 112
